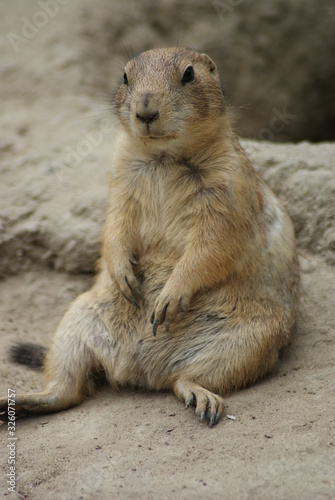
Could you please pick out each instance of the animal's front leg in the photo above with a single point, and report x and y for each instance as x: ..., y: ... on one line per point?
x: 124, y: 277
x: 203, y: 266
x: 175, y: 297
x: 119, y: 249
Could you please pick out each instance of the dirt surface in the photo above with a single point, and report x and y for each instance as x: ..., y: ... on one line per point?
x: 146, y: 445
x: 277, y: 438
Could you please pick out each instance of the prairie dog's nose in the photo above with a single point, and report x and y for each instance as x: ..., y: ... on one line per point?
x: 146, y: 109
x: 147, y: 116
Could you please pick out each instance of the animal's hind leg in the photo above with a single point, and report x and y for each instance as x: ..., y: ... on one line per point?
x: 69, y: 361
x: 206, y: 403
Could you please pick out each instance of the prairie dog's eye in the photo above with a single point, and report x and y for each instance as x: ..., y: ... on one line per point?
x: 188, y: 75
x: 125, y: 78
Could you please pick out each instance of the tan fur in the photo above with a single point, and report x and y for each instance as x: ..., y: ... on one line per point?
x: 196, y: 249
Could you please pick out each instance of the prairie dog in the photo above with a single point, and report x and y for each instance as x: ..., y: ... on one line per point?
x: 198, y: 283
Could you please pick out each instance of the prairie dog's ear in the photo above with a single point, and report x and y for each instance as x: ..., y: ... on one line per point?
x: 211, y: 65
x: 209, y: 62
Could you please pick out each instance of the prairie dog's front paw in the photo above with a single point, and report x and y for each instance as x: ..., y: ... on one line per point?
x: 168, y: 304
x: 127, y: 282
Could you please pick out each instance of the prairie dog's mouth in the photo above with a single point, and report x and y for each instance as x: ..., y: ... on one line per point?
x: 164, y: 137
x: 154, y: 131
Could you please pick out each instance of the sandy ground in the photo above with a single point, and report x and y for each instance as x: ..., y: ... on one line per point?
x: 131, y: 444
x: 145, y: 445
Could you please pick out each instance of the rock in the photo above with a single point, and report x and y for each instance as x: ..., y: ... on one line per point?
x: 54, y: 190
x: 302, y: 175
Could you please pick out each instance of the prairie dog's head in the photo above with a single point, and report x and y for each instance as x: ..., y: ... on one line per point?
x: 168, y: 93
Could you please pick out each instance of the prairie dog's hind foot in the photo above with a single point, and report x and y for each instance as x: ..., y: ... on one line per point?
x: 206, y: 403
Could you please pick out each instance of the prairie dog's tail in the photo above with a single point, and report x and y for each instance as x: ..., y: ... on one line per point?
x: 28, y: 354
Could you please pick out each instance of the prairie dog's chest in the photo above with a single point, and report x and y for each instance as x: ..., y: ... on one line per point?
x: 166, y: 207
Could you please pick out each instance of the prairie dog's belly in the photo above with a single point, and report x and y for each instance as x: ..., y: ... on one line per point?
x: 153, y: 271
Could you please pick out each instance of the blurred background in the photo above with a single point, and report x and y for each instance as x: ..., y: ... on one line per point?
x: 276, y: 57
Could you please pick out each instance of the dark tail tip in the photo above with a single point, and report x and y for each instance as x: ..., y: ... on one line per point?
x: 28, y: 354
